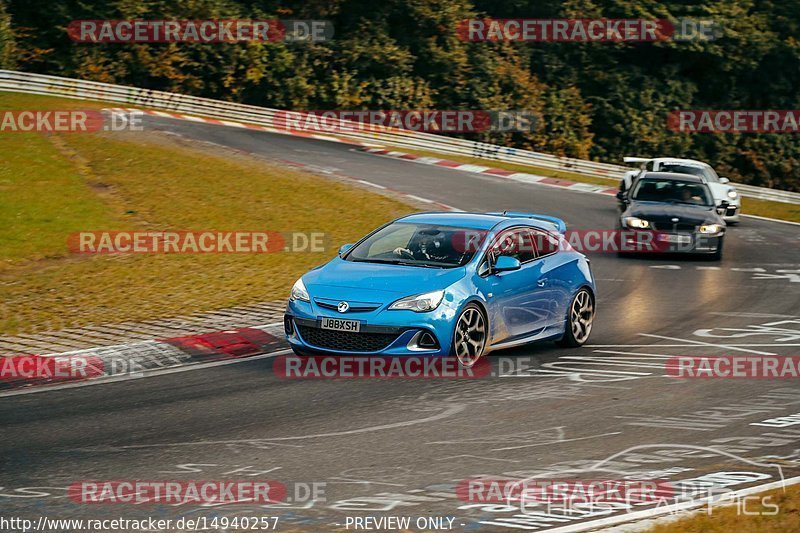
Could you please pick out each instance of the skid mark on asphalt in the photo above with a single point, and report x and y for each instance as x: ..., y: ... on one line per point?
x: 609, y: 434
x: 792, y: 275
x: 548, y: 434
x: 701, y: 343
x: 448, y: 411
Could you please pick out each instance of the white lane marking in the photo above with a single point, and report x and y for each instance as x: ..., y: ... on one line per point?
x: 477, y: 457
x: 648, y: 355
x: 773, y: 220
x: 701, y: 343
x: 793, y: 278
x: 752, y: 315
x: 448, y: 412
x: 424, y: 200
x: 670, y: 509
x: 350, y: 481
x: 365, y: 182
x: 666, y: 267
x: 678, y: 345
x: 472, y: 168
x: 556, y: 441
x: 146, y: 374
x: 708, y: 268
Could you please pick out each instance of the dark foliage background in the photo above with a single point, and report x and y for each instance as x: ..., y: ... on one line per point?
x: 597, y: 100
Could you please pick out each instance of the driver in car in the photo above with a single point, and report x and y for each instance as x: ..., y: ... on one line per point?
x: 427, y: 245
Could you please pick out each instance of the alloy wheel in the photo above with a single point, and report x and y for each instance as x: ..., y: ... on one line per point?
x: 470, y: 336
x: 581, y: 316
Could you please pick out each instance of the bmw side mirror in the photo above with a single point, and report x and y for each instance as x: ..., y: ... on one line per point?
x: 724, y: 180
x: 344, y: 248
x: 621, y: 196
x: 506, y: 263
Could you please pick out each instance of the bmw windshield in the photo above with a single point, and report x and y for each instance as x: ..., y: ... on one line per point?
x: 671, y: 191
x: 702, y: 172
x: 423, y: 245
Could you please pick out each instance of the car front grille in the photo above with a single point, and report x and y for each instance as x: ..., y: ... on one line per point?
x: 680, y: 227
x: 352, y: 309
x: 346, y: 341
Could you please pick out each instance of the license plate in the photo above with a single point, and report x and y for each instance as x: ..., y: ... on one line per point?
x: 339, y: 324
x: 678, y: 239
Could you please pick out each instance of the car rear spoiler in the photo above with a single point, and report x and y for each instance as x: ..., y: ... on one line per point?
x: 636, y: 159
x: 558, y: 224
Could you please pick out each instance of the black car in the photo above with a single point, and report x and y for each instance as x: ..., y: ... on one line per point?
x: 676, y: 211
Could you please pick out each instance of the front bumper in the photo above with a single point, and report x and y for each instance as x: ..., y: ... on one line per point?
x: 683, y: 242
x: 732, y: 214
x: 408, y: 334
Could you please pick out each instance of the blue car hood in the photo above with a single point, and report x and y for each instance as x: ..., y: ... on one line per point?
x: 374, y: 282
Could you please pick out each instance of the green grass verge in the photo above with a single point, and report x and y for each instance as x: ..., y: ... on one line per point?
x: 51, y: 186
x: 727, y: 519
x: 765, y: 208
x: 751, y: 206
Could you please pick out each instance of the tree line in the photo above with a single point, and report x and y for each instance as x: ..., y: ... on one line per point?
x: 597, y: 100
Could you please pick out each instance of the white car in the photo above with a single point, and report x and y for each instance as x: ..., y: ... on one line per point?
x: 721, y: 188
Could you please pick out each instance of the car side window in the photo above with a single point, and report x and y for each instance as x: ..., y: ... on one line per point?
x: 517, y: 243
x: 546, y: 243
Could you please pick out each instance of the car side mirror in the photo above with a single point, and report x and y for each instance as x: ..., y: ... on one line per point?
x: 724, y: 180
x: 506, y: 263
x: 621, y: 196
x: 344, y: 248
x: 722, y: 207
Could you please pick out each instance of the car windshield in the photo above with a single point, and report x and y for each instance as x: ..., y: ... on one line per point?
x: 702, y: 172
x: 673, y: 191
x: 422, y: 245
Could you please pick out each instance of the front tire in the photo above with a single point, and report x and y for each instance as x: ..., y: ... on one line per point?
x: 469, y: 336
x: 717, y: 256
x: 579, y: 320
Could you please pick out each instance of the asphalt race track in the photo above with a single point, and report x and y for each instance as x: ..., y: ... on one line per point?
x: 396, y: 447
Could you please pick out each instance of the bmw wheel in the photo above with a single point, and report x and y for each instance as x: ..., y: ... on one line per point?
x: 469, y: 337
x: 717, y: 256
x: 579, y: 320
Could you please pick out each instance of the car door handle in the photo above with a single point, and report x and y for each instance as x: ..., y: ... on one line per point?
x: 541, y: 282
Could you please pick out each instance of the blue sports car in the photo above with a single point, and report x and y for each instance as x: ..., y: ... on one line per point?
x: 445, y: 284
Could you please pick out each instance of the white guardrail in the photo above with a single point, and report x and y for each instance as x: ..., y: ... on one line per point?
x: 204, y: 107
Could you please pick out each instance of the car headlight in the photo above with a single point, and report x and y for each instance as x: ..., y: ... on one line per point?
x: 710, y: 228
x: 638, y: 223
x: 299, y: 291
x: 420, y: 303
x: 732, y: 194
